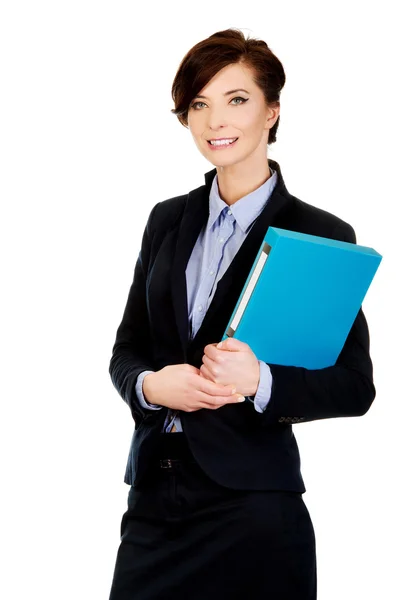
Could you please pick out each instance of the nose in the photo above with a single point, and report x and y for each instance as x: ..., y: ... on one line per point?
x: 216, y: 119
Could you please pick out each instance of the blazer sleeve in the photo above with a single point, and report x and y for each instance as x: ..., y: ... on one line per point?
x: 343, y: 390
x: 132, y: 350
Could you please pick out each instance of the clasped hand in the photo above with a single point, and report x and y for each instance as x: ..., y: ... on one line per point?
x: 230, y: 370
x: 232, y: 362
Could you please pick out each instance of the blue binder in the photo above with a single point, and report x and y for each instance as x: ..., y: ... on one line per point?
x: 301, y: 298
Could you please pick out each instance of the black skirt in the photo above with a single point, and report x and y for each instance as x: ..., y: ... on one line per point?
x: 186, y: 537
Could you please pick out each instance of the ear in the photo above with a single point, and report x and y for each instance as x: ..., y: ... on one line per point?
x: 273, y: 114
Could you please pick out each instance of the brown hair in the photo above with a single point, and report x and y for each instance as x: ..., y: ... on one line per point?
x: 221, y: 49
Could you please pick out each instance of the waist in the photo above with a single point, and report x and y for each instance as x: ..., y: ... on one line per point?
x: 174, y: 445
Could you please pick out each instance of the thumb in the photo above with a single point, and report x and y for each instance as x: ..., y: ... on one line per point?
x: 226, y: 344
x: 230, y: 344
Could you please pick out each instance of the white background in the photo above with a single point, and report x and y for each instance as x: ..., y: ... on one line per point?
x: 88, y: 146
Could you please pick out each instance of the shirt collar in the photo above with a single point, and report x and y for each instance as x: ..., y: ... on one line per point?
x: 244, y: 210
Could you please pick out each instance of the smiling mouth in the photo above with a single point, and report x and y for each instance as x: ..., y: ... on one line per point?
x: 223, y: 145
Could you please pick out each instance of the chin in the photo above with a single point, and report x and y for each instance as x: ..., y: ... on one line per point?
x: 225, y: 163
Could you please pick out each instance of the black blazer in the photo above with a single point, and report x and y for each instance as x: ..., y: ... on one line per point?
x: 235, y: 445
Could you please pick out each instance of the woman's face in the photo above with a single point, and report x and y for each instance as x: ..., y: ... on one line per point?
x: 241, y: 114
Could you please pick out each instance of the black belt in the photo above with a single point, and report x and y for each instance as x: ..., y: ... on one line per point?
x: 172, y: 449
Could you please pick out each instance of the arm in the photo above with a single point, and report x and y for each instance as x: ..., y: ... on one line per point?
x: 140, y: 393
x: 262, y: 397
x: 345, y: 389
x: 132, y: 352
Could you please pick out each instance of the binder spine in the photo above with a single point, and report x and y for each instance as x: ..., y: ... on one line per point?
x: 248, y: 290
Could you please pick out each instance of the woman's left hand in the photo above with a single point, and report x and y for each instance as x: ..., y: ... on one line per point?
x: 232, y: 362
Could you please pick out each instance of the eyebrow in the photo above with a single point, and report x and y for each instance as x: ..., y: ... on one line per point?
x: 227, y: 93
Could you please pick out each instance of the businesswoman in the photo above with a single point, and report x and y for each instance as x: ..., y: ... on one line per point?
x: 215, y: 507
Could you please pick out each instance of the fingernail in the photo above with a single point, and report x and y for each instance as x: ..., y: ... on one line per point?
x: 241, y: 399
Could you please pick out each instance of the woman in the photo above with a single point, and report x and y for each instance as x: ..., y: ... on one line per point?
x: 215, y: 507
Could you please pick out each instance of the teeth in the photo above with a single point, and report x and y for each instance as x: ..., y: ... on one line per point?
x: 223, y: 142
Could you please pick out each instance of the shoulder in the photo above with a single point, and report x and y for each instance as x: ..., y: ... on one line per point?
x: 166, y: 213
x: 316, y: 221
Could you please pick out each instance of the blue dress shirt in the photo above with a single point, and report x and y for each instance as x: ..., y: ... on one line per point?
x: 217, y: 244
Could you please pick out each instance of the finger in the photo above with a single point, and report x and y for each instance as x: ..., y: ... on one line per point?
x: 214, y: 372
x: 212, y: 351
x: 209, y: 366
x: 206, y: 373
x: 211, y: 346
x: 214, y: 389
x: 233, y: 345
x: 217, y: 401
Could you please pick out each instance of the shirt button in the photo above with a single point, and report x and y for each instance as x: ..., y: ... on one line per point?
x: 200, y: 307
x: 211, y: 272
x: 221, y: 240
x: 229, y: 212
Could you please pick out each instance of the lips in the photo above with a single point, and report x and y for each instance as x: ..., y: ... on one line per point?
x: 220, y: 147
x: 232, y: 142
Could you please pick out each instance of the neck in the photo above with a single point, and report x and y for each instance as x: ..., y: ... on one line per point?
x: 235, y: 181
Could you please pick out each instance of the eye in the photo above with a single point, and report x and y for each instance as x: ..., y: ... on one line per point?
x: 243, y: 100
x: 194, y: 104
x: 239, y: 98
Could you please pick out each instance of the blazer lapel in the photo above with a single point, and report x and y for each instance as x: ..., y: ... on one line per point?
x: 194, y: 218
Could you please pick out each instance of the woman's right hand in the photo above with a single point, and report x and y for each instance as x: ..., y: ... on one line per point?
x: 182, y: 387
